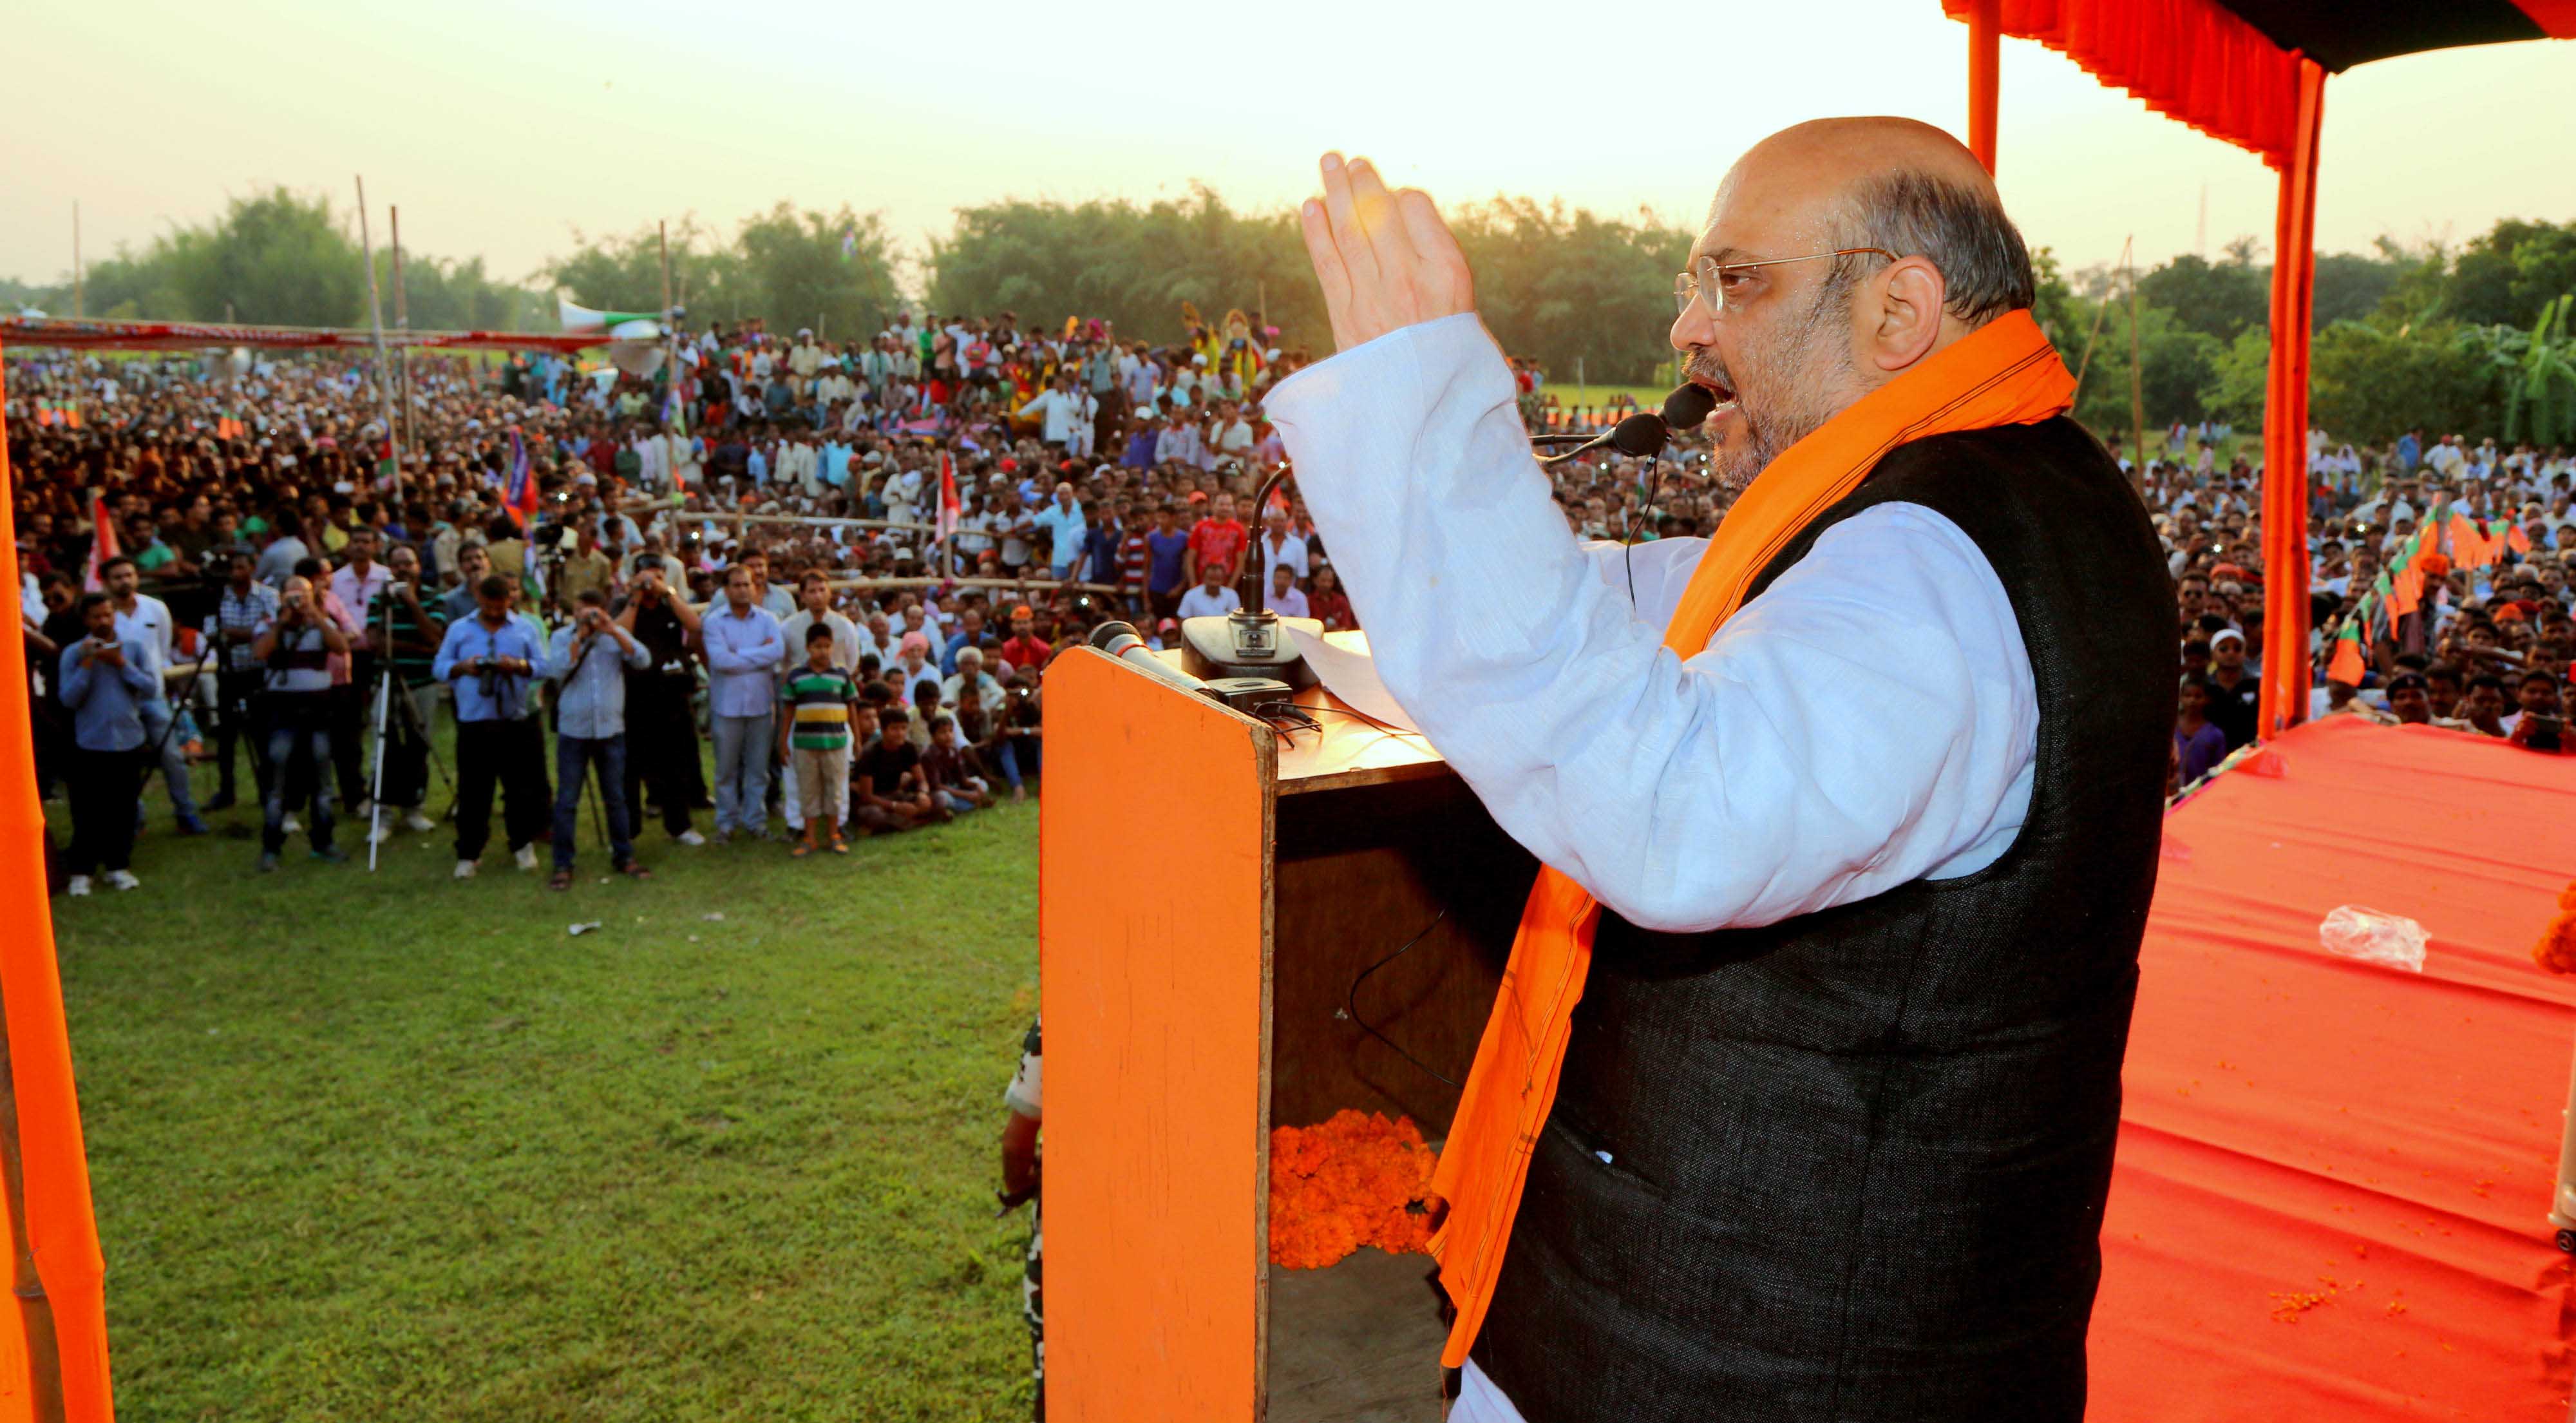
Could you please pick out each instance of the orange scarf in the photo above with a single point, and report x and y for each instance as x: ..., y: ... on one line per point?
x: 2003, y: 373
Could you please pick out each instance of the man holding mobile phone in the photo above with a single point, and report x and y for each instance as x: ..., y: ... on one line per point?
x: 105, y: 679
x: 295, y: 649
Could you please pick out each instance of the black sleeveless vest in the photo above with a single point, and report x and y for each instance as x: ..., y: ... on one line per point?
x: 1851, y: 1166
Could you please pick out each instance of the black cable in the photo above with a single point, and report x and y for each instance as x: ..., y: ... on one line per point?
x: 1628, y: 540
x: 1278, y: 712
x: 1351, y: 1000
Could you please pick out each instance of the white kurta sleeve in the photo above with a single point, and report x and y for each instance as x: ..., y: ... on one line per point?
x: 1867, y: 721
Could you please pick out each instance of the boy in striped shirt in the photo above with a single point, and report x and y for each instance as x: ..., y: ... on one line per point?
x: 814, y: 741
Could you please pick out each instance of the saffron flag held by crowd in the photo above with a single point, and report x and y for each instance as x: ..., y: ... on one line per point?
x: 519, y: 495
x: 946, y: 523
x: 102, y: 544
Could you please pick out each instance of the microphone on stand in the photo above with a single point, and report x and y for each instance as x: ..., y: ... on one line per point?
x: 1121, y: 640
x: 1642, y: 435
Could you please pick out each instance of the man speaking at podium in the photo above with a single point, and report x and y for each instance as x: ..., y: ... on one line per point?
x: 1798, y: 1100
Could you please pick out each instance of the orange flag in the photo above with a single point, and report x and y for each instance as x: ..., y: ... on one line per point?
x: 2468, y: 546
x: 2404, y: 590
x: 59, y: 1224
x: 2003, y: 373
x: 2347, y: 666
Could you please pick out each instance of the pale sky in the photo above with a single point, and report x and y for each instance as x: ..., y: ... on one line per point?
x: 499, y: 128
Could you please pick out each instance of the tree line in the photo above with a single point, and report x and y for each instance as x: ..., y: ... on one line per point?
x: 2472, y: 338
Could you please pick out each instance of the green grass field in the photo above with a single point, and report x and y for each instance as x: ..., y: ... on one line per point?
x: 1649, y: 397
x: 394, y: 1147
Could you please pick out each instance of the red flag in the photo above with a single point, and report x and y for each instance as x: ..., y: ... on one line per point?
x: 945, y: 525
x: 102, y: 543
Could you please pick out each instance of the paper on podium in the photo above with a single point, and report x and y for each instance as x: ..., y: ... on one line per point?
x: 1350, y: 674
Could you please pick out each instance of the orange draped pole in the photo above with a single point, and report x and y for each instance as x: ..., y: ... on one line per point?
x: 66, y: 1298
x: 2285, y: 422
x: 1985, y: 76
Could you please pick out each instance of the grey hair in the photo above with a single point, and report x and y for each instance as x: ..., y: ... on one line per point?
x: 1984, y: 266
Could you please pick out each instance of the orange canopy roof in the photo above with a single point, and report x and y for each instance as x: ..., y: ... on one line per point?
x: 2229, y: 67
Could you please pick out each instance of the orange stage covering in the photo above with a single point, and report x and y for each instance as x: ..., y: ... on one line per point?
x: 2333, y: 1182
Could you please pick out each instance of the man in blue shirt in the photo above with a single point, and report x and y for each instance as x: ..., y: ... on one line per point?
x: 1167, y: 576
x: 491, y: 661
x: 1100, y: 544
x: 105, y: 679
x: 743, y: 647
x: 587, y: 662
x: 1140, y: 445
x: 1062, y: 522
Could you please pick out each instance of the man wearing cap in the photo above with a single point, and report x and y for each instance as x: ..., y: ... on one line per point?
x: 2235, y: 695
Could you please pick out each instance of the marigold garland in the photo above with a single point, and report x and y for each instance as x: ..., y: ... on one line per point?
x: 1356, y: 1180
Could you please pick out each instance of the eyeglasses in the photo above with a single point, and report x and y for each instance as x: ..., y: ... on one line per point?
x: 1708, y: 276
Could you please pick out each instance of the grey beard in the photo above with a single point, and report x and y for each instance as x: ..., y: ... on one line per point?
x: 1800, y: 368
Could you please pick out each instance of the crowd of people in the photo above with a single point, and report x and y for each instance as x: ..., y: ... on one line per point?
x: 728, y: 585
x: 729, y: 589
x: 2488, y: 647
x: 766, y: 582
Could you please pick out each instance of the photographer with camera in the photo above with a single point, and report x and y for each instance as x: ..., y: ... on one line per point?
x: 590, y: 727
x: 295, y: 648
x: 490, y: 659
x: 405, y: 633
x: 661, y: 730
x: 242, y: 608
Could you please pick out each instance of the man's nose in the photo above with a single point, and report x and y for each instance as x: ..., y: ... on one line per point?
x: 1693, y: 329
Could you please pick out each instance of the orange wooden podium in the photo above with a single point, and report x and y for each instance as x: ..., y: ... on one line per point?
x: 1209, y: 889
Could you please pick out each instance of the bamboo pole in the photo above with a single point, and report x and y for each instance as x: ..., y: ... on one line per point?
x: 2099, y: 311
x: 2137, y: 382
x: 376, y: 320
x: 26, y: 1286
x: 818, y: 520
x: 673, y: 422
x: 1021, y: 585
x: 402, y: 323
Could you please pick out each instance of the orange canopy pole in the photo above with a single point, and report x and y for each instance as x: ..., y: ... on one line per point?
x: 1985, y: 76
x: 2285, y: 421
x: 59, y: 1223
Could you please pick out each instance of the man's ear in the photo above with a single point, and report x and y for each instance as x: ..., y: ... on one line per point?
x: 1911, y: 294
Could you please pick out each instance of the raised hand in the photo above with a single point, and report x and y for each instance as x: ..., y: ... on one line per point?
x: 1385, y: 260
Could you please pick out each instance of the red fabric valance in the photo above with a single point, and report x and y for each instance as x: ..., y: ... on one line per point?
x: 95, y: 335
x: 2191, y: 60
